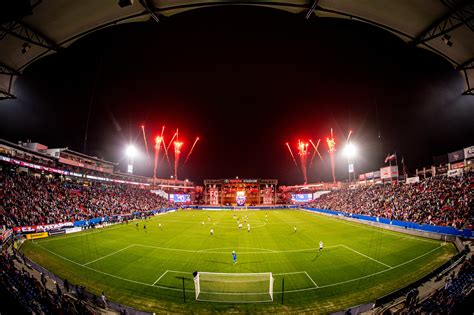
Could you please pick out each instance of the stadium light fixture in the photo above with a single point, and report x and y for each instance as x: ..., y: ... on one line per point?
x: 131, y: 151
x: 350, y: 150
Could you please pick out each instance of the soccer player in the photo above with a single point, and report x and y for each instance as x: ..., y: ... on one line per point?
x: 295, y: 228
x: 212, y: 231
x: 320, y: 246
x: 136, y: 225
x: 240, y: 226
x: 159, y: 226
x: 202, y: 222
x: 144, y: 227
x: 248, y: 227
x: 234, y: 257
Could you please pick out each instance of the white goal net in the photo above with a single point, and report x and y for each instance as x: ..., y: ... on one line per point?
x: 234, y: 287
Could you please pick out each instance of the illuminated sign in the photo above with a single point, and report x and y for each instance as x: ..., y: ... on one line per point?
x: 180, y: 198
x: 301, y: 198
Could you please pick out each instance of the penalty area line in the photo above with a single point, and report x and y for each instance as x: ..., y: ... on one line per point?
x: 311, y: 279
x: 111, y: 275
x: 116, y: 252
x: 164, y: 273
x: 368, y: 257
x: 276, y: 292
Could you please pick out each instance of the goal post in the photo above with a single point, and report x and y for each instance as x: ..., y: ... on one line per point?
x: 234, y: 287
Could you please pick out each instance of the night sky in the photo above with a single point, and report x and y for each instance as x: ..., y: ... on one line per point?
x: 245, y: 80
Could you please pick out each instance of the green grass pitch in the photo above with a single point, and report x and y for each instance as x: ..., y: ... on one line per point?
x: 145, y: 268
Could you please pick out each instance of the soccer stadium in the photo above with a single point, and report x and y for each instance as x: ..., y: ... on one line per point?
x: 249, y: 157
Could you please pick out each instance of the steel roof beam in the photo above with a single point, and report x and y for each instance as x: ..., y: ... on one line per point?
x: 469, y: 64
x: 150, y: 8
x: 28, y: 34
x: 4, y: 69
x: 468, y: 92
x: 457, y: 17
x: 312, y: 9
x: 6, y: 95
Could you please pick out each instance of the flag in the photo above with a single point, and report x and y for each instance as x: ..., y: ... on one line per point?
x: 405, y: 169
x: 390, y: 157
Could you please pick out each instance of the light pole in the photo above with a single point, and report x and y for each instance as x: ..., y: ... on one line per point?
x: 131, y: 152
x: 350, y: 152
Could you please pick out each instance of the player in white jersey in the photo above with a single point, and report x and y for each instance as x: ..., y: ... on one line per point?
x: 248, y: 227
x: 212, y: 231
x: 320, y: 246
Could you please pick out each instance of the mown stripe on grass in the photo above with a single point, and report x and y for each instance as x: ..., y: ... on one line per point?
x: 287, y: 291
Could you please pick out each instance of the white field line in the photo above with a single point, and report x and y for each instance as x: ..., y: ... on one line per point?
x: 311, y: 279
x: 209, y: 251
x: 82, y: 233
x: 177, y: 271
x: 238, y: 274
x: 288, y: 273
x: 234, y: 302
x: 111, y: 275
x: 116, y: 252
x: 288, y: 291
x: 366, y: 276
x: 364, y: 255
x: 374, y: 228
x: 233, y: 248
x: 236, y: 293
x: 164, y: 273
x: 178, y: 221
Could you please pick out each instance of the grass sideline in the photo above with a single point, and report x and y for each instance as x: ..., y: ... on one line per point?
x: 145, y: 268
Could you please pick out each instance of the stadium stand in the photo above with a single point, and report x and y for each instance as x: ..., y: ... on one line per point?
x: 24, y: 293
x: 453, y: 296
x: 44, y: 198
x: 55, y: 200
x: 444, y: 201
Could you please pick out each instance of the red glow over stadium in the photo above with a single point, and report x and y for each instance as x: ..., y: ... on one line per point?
x: 303, y: 153
x: 191, y: 151
x: 177, y: 146
x: 291, y: 153
x: 177, y: 152
x: 332, y: 148
x: 158, y: 140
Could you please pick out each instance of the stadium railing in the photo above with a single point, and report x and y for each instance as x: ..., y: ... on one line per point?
x: 82, y: 223
x: 454, y: 261
x: 442, y: 230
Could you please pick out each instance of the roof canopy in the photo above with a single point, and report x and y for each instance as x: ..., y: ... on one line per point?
x: 442, y: 26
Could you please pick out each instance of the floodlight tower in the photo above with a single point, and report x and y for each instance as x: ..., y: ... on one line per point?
x: 350, y: 151
x: 131, y: 152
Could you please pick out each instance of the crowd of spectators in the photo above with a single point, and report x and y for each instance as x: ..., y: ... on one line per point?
x: 444, y: 201
x: 31, y: 200
x: 22, y: 293
x: 455, y: 296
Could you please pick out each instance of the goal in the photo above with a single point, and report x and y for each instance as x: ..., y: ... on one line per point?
x: 234, y: 287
